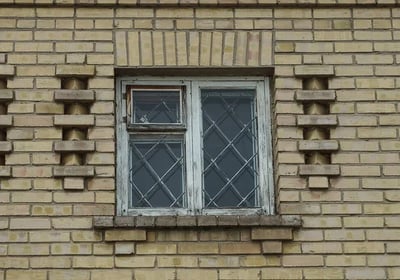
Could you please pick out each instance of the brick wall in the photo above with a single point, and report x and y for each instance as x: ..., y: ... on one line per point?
x: 350, y: 207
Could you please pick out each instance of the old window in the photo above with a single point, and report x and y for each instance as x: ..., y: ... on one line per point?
x: 193, y: 146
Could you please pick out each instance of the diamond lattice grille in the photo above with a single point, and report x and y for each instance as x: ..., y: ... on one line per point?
x: 229, y: 148
x: 156, y: 173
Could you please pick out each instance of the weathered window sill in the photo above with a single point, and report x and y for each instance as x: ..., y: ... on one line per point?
x: 146, y: 222
x: 268, y: 231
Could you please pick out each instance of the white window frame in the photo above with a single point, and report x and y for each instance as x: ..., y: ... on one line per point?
x: 193, y: 144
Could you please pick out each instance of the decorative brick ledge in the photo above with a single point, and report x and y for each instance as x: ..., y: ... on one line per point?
x: 319, y: 170
x: 73, y: 171
x: 74, y: 120
x: 316, y: 120
x: 315, y: 95
x: 73, y: 146
x: 77, y: 95
x: 318, y: 145
x: 110, y: 222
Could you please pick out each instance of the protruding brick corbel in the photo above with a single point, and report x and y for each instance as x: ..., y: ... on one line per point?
x: 316, y: 123
x: 6, y: 97
x: 77, y: 100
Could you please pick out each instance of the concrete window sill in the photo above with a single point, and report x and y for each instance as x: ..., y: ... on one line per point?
x: 147, y: 222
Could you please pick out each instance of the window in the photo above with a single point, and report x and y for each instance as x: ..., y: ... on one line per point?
x: 193, y: 146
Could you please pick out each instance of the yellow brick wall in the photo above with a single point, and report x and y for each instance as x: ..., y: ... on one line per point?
x: 350, y: 230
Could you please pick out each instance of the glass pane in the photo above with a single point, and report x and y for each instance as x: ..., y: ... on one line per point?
x: 229, y: 148
x: 156, y: 106
x: 156, y: 173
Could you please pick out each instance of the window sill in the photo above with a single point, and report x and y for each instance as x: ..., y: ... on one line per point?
x: 159, y: 222
x: 268, y: 231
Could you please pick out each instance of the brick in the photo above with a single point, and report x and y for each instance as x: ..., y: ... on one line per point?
x: 240, y: 248
x: 28, y: 249
x: 380, y: 183
x: 6, y: 121
x: 313, y: 70
x: 70, y: 249
x: 5, y: 147
x: 383, y: 260
x: 156, y: 249
x: 381, y: 209
x: 124, y: 248
x: 351, y: 170
x: 94, y: 210
x: 319, y: 170
x: 316, y: 120
x: 392, y: 195
x: 299, y: 261
x: 13, y: 236
x: 92, y: 262
x: 341, y: 208
x: 74, y: 96
x: 74, y: 146
x: 198, y: 248
x: 7, y: 70
x: 49, y: 108
x: 271, y: 247
x: 315, y: 95
x: 26, y: 275
x: 344, y: 234
x: 318, y: 182
x: 72, y: 223
x: 318, y: 145
x: 125, y: 235
x: 29, y: 223
x: 51, y: 210
x: 135, y: 261
x: 100, y: 274
x: 74, y: 183
x: 363, y: 196
x: 30, y: 171
x: 75, y: 70
x: 218, y: 261
x: 323, y: 273
x: 181, y: 261
x: 364, y: 247
x: 74, y: 120
x: 365, y: 273
x: 6, y: 95
x: 73, y: 171
x: 33, y: 120
x: 271, y: 234
x: 49, y: 236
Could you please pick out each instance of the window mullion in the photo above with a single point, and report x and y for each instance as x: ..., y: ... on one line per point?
x: 264, y: 148
x: 197, y: 163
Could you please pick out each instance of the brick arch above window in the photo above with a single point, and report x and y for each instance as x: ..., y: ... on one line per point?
x: 193, y: 48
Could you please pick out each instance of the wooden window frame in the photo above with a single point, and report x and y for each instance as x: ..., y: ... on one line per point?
x: 191, y: 128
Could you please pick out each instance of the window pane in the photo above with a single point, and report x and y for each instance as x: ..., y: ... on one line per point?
x: 156, y: 173
x: 229, y: 148
x: 156, y: 106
